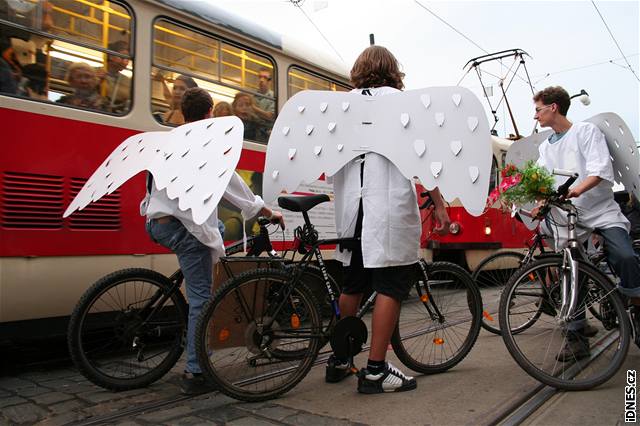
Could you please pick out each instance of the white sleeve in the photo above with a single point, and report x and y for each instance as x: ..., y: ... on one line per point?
x: 541, y: 161
x: 595, y: 152
x: 239, y: 194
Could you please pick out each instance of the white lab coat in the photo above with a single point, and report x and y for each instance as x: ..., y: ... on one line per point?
x: 158, y: 204
x: 583, y: 149
x: 391, y: 225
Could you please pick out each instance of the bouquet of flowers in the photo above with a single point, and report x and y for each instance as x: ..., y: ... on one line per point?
x: 522, y: 186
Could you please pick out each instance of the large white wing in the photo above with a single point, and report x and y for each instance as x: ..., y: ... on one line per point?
x: 194, y: 162
x: 439, y: 135
x: 622, y: 148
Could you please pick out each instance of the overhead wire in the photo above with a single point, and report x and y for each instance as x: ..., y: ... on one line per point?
x: 610, y: 61
x: 614, y: 40
x: 299, y: 6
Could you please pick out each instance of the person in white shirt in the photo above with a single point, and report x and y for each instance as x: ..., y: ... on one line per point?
x: 374, y: 201
x: 198, y: 247
x: 582, y: 148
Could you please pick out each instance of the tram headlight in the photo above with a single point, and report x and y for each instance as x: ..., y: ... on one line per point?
x: 455, y: 228
x: 487, y: 230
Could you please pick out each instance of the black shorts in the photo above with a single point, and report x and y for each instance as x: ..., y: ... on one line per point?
x: 392, y: 281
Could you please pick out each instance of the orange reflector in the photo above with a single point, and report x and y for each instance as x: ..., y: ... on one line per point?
x: 532, y: 277
x: 424, y: 298
x: 487, y: 315
x: 438, y: 341
x: 295, y: 321
x: 223, y: 335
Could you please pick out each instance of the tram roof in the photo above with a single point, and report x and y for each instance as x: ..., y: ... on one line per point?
x: 236, y: 23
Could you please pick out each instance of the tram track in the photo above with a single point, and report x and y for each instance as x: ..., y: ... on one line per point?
x: 522, y: 408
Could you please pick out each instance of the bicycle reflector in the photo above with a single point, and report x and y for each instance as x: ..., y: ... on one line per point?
x: 295, y: 321
x: 438, y: 340
x: 223, y: 335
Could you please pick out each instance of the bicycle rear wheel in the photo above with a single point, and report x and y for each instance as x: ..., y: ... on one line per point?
x: 551, y: 352
x: 123, y: 334
x: 259, y: 336
x: 440, y: 321
x: 491, y: 276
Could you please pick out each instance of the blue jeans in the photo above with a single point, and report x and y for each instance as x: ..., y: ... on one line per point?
x: 197, y: 267
x: 623, y: 259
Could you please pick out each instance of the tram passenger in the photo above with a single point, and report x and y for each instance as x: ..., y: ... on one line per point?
x: 375, y: 201
x: 114, y: 85
x: 82, y: 78
x: 10, y: 68
x: 197, y: 247
x: 174, y: 97
x: 245, y: 108
x: 34, y: 82
x: 222, y: 109
x: 581, y: 147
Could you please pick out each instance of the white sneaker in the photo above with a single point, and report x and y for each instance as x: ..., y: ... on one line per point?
x: 390, y: 380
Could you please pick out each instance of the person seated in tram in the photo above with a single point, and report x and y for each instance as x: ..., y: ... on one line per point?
x: 245, y: 108
x: 222, y: 109
x: 10, y: 68
x: 82, y: 79
x: 174, y: 97
x: 114, y: 85
x: 34, y: 82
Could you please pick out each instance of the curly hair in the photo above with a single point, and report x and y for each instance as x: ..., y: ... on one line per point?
x: 196, y: 103
x: 554, y: 95
x: 375, y: 67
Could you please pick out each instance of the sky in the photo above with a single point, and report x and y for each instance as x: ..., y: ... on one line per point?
x: 564, y: 39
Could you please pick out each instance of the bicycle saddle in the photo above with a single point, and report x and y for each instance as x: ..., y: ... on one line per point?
x: 301, y: 203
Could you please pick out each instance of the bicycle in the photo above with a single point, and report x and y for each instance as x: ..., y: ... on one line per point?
x: 128, y: 328
x: 262, y: 331
x: 492, y: 274
x: 571, y: 288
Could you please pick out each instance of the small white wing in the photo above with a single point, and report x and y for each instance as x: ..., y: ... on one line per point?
x: 526, y: 149
x: 198, y: 162
x: 130, y: 158
x: 622, y: 148
x: 438, y: 134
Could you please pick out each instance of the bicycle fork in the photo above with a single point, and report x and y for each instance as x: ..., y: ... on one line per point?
x: 569, y: 286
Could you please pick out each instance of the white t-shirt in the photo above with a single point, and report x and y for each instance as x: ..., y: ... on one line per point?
x: 391, y: 224
x: 583, y: 149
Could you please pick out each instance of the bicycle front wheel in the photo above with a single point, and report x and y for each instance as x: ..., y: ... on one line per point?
x: 127, y: 330
x: 564, y: 355
x: 491, y: 276
x: 440, y: 321
x: 259, y: 335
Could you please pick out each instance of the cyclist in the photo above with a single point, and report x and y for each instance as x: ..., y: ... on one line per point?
x: 198, y: 247
x: 374, y: 201
x: 582, y: 148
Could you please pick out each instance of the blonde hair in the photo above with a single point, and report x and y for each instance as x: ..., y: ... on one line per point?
x: 80, y: 66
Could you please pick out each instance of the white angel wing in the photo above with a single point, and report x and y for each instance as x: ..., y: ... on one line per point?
x: 439, y: 135
x: 194, y: 162
x: 130, y: 158
x: 526, y: 149
x: 198, y: 162
x: 622, y: 148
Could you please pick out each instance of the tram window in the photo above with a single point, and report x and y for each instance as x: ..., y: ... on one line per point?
x: 493, y: 177
x: 302, y: 80
x: 55, y: 68
x: 240, y: 82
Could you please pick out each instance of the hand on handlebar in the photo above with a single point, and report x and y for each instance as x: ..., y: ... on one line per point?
x: 442, y: 221
x: 277, y: 218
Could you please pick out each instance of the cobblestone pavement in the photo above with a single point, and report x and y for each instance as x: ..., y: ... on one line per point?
x: 63, y: 396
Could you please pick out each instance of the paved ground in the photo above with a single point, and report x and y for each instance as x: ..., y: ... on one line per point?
x: 474, y: 392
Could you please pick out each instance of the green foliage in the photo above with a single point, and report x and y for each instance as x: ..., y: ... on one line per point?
x: 535, y: 183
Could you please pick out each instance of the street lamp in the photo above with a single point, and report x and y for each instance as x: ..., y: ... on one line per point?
x: 583, y: 97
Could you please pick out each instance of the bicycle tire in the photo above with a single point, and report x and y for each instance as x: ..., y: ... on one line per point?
x: 443, y: 294
x: 221, y: 323
x: 610, y: 349
x: 492, y: 274
x: 88, y: 327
